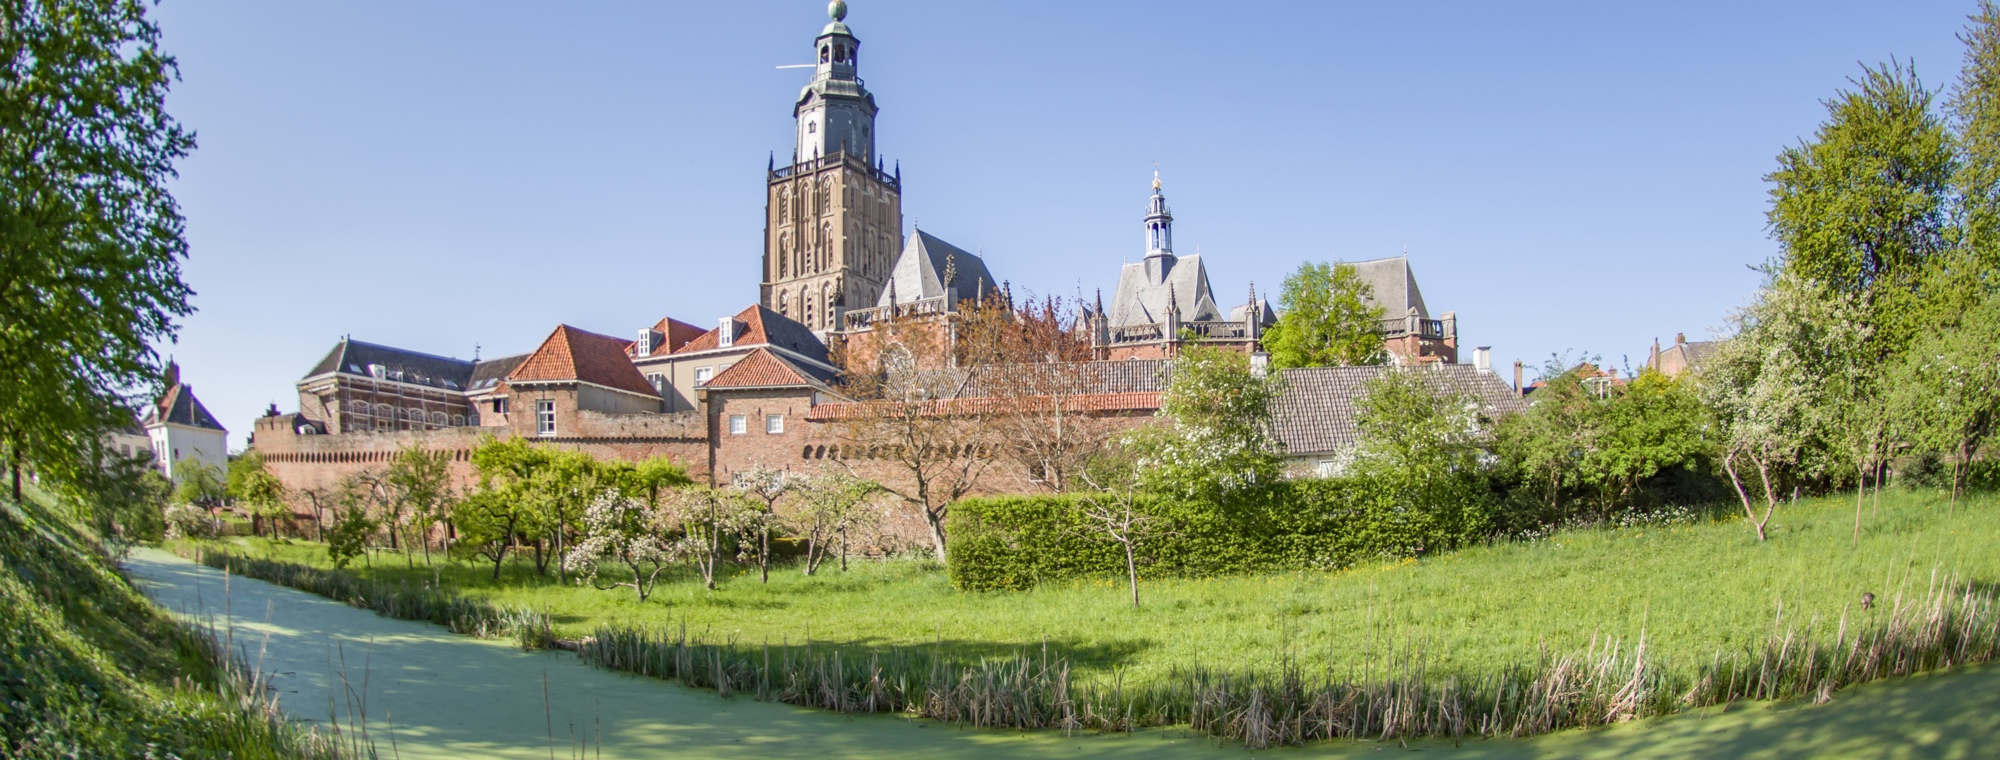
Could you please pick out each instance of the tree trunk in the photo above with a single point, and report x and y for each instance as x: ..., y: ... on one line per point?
x: 1132, y: 573
x: 935, y: 521
x: 843, y: 548
x: 764, y: 554
x: 1729, y: 465
x: 1860, y: 489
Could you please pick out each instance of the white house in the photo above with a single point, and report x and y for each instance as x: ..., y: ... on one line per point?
x: 181, y: 429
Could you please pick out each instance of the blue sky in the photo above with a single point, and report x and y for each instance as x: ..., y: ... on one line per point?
x: 445, y: 175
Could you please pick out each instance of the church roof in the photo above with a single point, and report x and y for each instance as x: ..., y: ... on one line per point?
x: 178, y: 406
x: 920, y: 270
x: 353, y: 357
x: 576, y: 355
x: 1138, y: 301
x: 1394, y: 285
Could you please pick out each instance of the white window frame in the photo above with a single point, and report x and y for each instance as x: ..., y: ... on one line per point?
x: 658, y: 380
x: 545, y: 418
x: 738, y: 424
x: 703, y: 374
x: 774, y: 424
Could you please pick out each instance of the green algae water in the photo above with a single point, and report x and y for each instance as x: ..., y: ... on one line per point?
x: 420, y: 692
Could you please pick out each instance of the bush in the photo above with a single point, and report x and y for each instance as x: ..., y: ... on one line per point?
x: 1017, y: 542
x: 190, y: 521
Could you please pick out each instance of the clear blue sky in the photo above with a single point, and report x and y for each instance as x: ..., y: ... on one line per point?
x: 437, y: 175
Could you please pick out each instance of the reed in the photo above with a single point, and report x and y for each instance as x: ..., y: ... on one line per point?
x: 458, y: 613
x: 1948, y: 624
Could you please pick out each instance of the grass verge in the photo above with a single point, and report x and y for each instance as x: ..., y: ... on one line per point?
x: 90, y: 668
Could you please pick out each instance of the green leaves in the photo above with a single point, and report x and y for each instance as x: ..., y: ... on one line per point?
x: 1327, y: 320
x: 1218, y: 439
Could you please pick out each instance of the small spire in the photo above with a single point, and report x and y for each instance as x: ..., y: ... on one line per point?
x: 1156, y: 176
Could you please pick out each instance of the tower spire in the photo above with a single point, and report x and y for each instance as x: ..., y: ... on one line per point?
x: 1159, y: 234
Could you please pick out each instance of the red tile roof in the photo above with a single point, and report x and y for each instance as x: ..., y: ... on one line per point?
x: 1091, y: 402
x: 584, y: 356
x: 674, y: 334
x: 761, y: 369
x: 760, y: 326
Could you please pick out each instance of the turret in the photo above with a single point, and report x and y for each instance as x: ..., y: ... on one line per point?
x: 1159, y: 235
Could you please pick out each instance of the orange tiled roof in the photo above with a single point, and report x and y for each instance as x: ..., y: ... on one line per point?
x: 761, y: 326
x: 581, y: 355
x: 759, y: 370
x: 1091, y: 402
x: 673, y: 334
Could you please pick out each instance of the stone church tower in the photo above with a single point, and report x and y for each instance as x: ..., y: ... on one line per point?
x: 833, y: 217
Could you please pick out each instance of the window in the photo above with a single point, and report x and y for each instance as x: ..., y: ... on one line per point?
x: 774, y: 423
x: 737, y: 425
x: 500, y: 405
x: 658, y: 380
x: 361, y: 408
x: 545, y: 417
x: 385, y: 411
x: 381, y: 424
x: 702, y: 374
x: 458, y: 420
x: 438, y: 419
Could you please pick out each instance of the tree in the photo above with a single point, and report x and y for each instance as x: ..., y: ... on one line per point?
x: 419, y: 481
x: 1547, y: 444
x: 347, y: 537
x: 200, y: 484
x: 1947, y: 390
x: 1217, y: 441
x: 1767, y: 386
x: 767, y: 485
x: 707, y: 517
x: 1030, y: 368
x: 914, y: 421
x: 252, y: 486
x: 1417, y: 456
x: 1110, y: 513
x: 90, y: 237
x: 1975, y: 110
x: 832, y: 504
x: 1327, y: 319
x: 621, y: 529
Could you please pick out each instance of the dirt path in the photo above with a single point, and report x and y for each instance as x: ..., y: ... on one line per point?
x: 429, y: 693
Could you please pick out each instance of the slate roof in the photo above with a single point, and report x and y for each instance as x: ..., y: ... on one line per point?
x: 757, y: 326
x: 764, y: 368
x: 571, y: 354
x: 178, y: 406
x: 1315, y: 414
x: 920, y: 268
x: 1394, y: 285
x: 1139, y: 301
x: 1116, y: 376
x: 353, y: 357
x: 489, y: 373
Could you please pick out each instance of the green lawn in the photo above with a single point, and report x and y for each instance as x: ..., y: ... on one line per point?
x: 1694, y: 591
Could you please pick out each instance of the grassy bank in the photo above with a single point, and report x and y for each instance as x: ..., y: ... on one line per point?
x: 90, y: 668
x: 1456, y: 644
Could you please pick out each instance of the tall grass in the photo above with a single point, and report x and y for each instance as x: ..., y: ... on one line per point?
x: 458, y: 613
x: 1948, y: 624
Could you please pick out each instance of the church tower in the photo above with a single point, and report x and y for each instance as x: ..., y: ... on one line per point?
x: 833, y: 216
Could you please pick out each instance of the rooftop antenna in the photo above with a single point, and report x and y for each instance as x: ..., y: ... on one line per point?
x: 475, y: 352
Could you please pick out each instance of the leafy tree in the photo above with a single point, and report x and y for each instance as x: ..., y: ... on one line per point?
x: 419, y: 481
x: 832, y: 505
x: 252, y: 487
x: 767, y: 485
x: 1217, y: 441
x: 708, y: 517
x: 1547, y: 444
x: 651, y: 479
x: 1975, y: 110
x: 621, y: 529
x: 1948, y: 388
x: 200, y: 484
x: 1418, y: 460
x: 1768, y: 385
x: 348, y: 537
x: 90, y: 237
x: 1647, y: 426
x: 1328, y: 319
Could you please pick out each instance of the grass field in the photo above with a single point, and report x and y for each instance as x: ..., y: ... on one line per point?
x: 1692, y: 590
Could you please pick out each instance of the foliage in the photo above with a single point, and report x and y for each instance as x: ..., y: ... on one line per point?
x: 1417, y: 459
x: 1769, y: 386
x: 190, y: 521
x: 628, y: 532
x: 200, y: 484
x: 1327, y: 319
x: 1947, y: 389
x: 1606, y: 447
x: 251, y: 486
x: 767, y: 485
x: 91, y: 668
x: 419, y: 483
x: 833, y: 505
x: 352, y: 526
x: 90, y: 237
x: 709, y: 518
x: 1035, y: 387
x: 1975, y: 110
x: 1217, y: 442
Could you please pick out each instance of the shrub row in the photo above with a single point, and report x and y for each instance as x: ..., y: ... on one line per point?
x: 1016, y: 542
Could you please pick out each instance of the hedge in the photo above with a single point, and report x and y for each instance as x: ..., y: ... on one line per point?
x: 1017, y: 542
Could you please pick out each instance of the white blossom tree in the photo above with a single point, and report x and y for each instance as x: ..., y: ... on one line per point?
x: 832, y: 506
x: 767, y: 485
x: 624, y: 531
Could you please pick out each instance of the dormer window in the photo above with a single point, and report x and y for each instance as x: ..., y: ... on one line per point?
x: 725, y: 332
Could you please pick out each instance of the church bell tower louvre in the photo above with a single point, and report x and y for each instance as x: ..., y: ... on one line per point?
x: 833, y: 214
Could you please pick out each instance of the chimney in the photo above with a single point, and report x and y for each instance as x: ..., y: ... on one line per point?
x: 1482, y: 359
x: 1680, y: 339
x: 725, y: 332
x: 1517, y: 375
